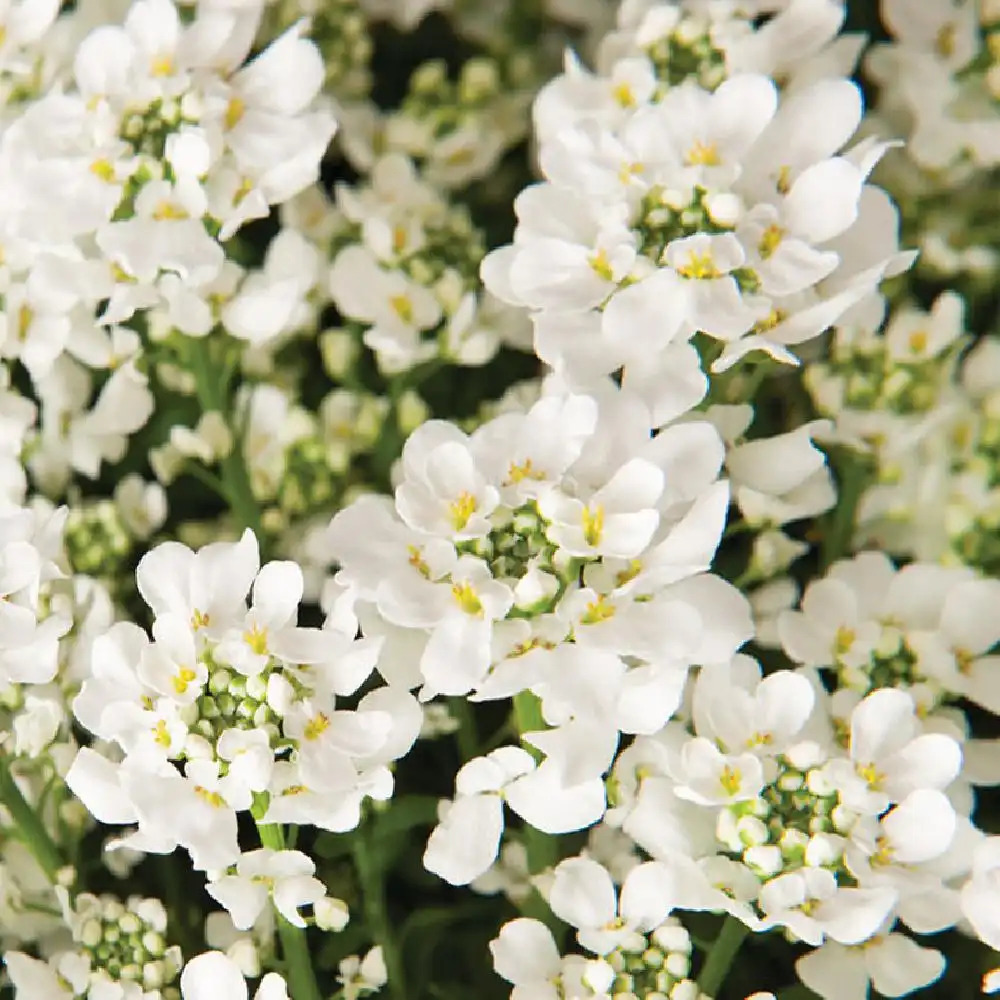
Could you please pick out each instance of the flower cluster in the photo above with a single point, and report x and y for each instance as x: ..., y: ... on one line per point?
x: 541, y: 592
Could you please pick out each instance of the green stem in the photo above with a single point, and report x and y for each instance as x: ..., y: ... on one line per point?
x: 376, y: 913
x: 294, y: 946
x: 466, y: 735
x: 852, y: 479
x: 210, y: 385
x: 542, y: 848
x: 30, y: 825
x: 721, y: 955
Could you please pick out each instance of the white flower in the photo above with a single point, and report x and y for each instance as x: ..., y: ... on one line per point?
x: 214, y: 976
x: 284, y: 876
x: 525, y: 954
x: 583, y: 894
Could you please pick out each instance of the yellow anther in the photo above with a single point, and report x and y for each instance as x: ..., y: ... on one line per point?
x: 964, y: 660
x: 730, y: 780
x: 416, y: 560
x: 467, y: 598
x: 25, y: 316
x: 162, y: 66
x: 316, y: 726
x: 235, y: 110
x: 104, y: 169
x: 593, y: 525
x: 167, y: 210
x: 256, y: 638
x: 946, y: 40
x: 461, y: 509
x: 843, y: 640
x: 702, y: 154
x: 628, y: 574
x: 918, y: 341
x: 402, y: 306
x: 598, y: 611
x: 526, y: 470
x: 770, y: 240
x: 601, y: 265
x: 182, y: 679
x: 160, y: 734
x: 212, y: 798
x: 628, y: 171
x: 700, y: 266
x: 871, y: 775
x: 770, y: 321
x: 784, y: 182
x: 624, y: 95
x: 199, y: 620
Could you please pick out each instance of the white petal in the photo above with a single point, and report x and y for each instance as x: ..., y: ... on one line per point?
x: 525, y: 954
x: 212, y: 976
x: 465, y: 844
x: 583, y: 894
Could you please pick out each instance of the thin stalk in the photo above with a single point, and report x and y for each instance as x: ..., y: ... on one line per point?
x: 30, y: 825
x: 294, y: 947
x: 376, y: 913
x: 210, y: 385
x: 542, y: 851
x: 721, y: 955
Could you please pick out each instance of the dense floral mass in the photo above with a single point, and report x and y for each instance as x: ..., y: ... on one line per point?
x: 499, y: 498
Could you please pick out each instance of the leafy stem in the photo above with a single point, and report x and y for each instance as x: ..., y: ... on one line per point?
x: 30, y: 825
x: 370, y: 877
x: 298, y: 967
x: 211, y: 386
x: 721, y: 955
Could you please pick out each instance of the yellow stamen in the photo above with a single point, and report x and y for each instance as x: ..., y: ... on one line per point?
x: 256, y: 638
x: 593, y: 525
x: 467, y: 598
x: 526, y: 470
x: 461, y: 509
x: 624, y: 95
x: 784, y: 182
x: 730, y: 780
x: 843, y: 640
x: 700, y: 266
x: 104, y: 169
x: 702, y: 155
x: 918, y: 341
x: 416, y: 560
x: 234, y: 112
x: 199, y: 620
x: 182, y: 679
x: 402, y: 306
x: 212, y: 798
x: 598, y: 611
x: 770, y: 240
x: 601, y: 266
x: 871, y: 775
x: 162, y: 66
x: 316, y: 726
x: 166, y: 210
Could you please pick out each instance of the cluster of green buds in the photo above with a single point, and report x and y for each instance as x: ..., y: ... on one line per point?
x: 125, y: 943
x: 232, y: 701
x: 461, y: 127
x: 795, y: 821
x: 687, y: 51
x: 146, y: 127
x: 97, y: 541
x: 890, y: 664
x: 667, y: 215
x: 654, y: 966
x: 516, y: 543
x: 864, y: 374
